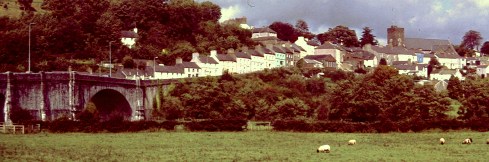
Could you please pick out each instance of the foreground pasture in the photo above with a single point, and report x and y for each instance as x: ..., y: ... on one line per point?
x: 243, y: 146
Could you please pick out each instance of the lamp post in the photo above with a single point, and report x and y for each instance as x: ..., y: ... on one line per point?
x: 154, y: 66
x: 29, y: 61
x: 110, y: 58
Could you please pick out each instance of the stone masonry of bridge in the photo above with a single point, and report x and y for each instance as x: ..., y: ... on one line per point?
x: 50, y: 95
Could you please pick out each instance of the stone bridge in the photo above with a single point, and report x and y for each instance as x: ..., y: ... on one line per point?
x: 50, y: 95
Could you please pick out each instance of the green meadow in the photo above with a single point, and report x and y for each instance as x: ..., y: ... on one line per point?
x: 243, y: 146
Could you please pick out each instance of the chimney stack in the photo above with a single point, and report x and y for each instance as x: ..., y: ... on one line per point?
x: 178, y: 60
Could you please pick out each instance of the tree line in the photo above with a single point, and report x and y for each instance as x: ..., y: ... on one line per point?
x: 284, y: 94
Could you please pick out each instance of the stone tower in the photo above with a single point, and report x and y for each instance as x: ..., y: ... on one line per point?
x: 395, y: 36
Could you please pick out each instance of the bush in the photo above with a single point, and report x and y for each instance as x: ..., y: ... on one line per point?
x: 216, y: 125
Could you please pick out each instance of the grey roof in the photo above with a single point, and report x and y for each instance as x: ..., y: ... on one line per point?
x: 129, y: 34
x: 442, y: 55
x: 295, y: 46
x: 424, y: 44
x: 223, y: 57
x: 313, y: 43
x: 444, y: 71
x: 169, y: 69
x: 392, y: 50
x: 329, y: 45
x: 266, y: 38
x: 445, y: 49
x: 254, y: 53
x: 207, y: 59
x: 242, y: 55
x: 188, y: 65
x: 310, y: 61
x: 278, y: 49
x: 400, y: 62
x: 263, y: 30
x: 328, y: 58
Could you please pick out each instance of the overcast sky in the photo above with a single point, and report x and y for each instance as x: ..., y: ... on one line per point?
x: 436, y: 19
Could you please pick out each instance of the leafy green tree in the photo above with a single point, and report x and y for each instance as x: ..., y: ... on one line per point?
x: 290, y: 108
x: 464, y: 51
x: 285, y: 31
x: 471, y: 39
x: 485, y: 48
x: 383, y: 61
x: 455, y: 89
x: 368, y: 37
x: 340, y: 35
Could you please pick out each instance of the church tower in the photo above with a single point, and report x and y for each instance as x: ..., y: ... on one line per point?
x: 395, y: 36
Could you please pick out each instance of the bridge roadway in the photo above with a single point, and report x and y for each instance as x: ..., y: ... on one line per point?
x: 50, y: 95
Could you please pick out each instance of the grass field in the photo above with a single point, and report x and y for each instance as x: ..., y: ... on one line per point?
x: 242, y: 146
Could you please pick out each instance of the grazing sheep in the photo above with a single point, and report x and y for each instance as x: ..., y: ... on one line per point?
x: 442, y: 141
x: 324, y: 148
x: 487, y: 142
x: 467, y: 141
x: 352, y: 142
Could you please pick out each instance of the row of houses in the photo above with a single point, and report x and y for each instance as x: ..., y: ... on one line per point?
x: 410, y: 56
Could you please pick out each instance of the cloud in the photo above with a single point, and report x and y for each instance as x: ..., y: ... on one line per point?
x: 438, y: 19
x: 229, y: 12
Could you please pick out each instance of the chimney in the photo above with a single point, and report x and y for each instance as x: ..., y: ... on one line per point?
x: 301, y: 38
x: 213, y: 53
x: 135, y: 30
x: 178, y: 60
x: 195, y: 55
x: 244, y: 49
x: 230, y: 51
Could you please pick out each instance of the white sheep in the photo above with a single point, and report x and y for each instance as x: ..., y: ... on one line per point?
x: 442, y: 141
x: 352, y: 142
x: 324, y: 148
x: 467, y: 141
x: 487, y: 142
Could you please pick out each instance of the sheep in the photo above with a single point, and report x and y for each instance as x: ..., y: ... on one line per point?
x: 442, y: 141
x: 487, y: 142
x: 352, y: 142
x: 467, y: 141
x: 324, y: 148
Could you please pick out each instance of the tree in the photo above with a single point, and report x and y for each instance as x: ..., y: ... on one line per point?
x: 383, y: 61
x: 340, y: 35
x: 367, y: 37
x: 285, y: 31
x: 485, y: 48
x: 471, y: 39
x: 464, y: 51
x: 454, y: 88
x: 303, y: 29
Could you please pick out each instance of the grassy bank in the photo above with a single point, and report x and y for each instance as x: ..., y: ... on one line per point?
x: 242, y: 146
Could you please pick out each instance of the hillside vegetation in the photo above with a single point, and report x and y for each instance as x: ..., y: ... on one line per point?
x: 382, y: 96
x: 65, y: 32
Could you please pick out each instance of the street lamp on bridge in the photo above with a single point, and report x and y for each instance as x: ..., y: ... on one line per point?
x: 110, y: 58
x: 29, y: 61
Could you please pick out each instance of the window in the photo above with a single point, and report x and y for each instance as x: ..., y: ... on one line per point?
x: 189, y: 75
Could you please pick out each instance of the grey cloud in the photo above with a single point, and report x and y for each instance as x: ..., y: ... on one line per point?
x: 418, y: 17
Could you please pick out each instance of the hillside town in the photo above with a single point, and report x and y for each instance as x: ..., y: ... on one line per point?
x: 410, y: 56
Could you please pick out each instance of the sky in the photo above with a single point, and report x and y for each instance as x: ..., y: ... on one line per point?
x: 433, y: 19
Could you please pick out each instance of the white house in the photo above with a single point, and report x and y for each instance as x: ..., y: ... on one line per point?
x: 418, y: 70
x: 209, y: 66
x: 190, y: 69
x: 263, y: 32
x: 228, y: 62
x: 334, y: 50
x: 168, y: 72
x: 244, y: 62
x: 128, y: 38
x: 445, y: 74
x: 450, y: 61
x: 481, y: 70
x: 308, y: 45
x: 257, y: 60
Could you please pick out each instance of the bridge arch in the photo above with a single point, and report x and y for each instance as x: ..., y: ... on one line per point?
x: 110, y: 103
x: 2, y: 108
